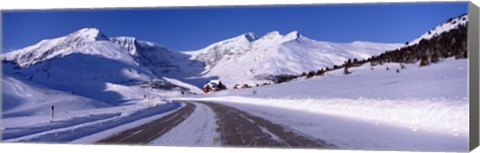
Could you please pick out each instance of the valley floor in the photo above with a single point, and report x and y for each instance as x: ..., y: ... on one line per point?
x: 209, y: 124
x: 418, y: 109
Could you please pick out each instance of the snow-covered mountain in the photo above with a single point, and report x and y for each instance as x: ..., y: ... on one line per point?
x: 50, y: 48
x: 448, y: 25
x: 247, y: 58
x: 242, y: 59
x: 89, y: 64
x: 225, y: 49
x: 103, y: 85
x: 154, y: 56
x: 148, y: 54
x: 86, y: 54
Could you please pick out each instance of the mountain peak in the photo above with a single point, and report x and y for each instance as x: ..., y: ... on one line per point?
x: 92, y: 34
x: 89, y: 30
x: 295, y: 32
x: 294, y: 35
x: 273, y: 34
x: 50, y: 48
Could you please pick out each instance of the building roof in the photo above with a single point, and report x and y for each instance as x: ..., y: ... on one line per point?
x: 215, y: 81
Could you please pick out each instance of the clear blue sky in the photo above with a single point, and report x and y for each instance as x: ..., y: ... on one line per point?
x: 195, y: 28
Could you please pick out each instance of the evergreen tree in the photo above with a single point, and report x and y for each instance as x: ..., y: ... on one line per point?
x: 303, y: 74
x: 310, y: 74
x: 424, y: 60
x: 345, y: 70
x: 320, y: 72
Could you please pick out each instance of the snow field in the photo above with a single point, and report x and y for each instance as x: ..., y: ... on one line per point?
x: 419, y: 108
x: 22, y: 98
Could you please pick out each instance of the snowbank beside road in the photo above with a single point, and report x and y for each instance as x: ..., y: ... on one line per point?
x: 348, y: 133
x: 433, y: 115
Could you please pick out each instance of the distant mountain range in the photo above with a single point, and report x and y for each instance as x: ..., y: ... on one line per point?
x: 90, y: 55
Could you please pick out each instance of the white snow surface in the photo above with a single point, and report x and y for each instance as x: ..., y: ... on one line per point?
x: 85, y: 63
x: 192, y: 88
x: 247, y: 59
x: 21, y: 98
x: 93, y: 82
x: 239, y: 60
x: 419, y: 108
x: 50, y: 48
x: 447, y: 79
x: 156, y: 57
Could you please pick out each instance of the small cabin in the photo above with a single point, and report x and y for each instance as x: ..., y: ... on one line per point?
x: 238, y: 86
x: 214, y: 85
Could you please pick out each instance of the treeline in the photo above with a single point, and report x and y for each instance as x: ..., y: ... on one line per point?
x: 448, y: 44
x: 445, y: 45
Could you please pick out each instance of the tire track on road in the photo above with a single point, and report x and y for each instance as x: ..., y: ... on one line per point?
x: 147, y: 132
x: 239, y: 128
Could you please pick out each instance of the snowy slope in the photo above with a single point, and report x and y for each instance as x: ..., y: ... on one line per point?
x: 88, y: 64
x: 225, y: 49
x: 153, y: 56
x: 246, y: 58
x: 21, y: 98
x: 425, y: 98
x: 242, y: 59
x: 419, y: 108
x: 444, y: 27
x: 50, y: 48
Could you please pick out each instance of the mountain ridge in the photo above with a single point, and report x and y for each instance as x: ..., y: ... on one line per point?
x: 446, y: 26
x: 243, y: 58
x: 246, y: 49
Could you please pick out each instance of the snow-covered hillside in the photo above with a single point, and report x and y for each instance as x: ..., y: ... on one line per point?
x: 86, y: 63
x: 153, y: 56
x: 427, y: 105
x: 247, y: 59
x: 22, y: 98
x: 444, y: 27
x: 225, y: 49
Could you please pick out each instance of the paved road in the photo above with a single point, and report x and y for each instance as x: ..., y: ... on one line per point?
x: 145, y: 133
x: 239, y: 128
x: 236, y: 127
